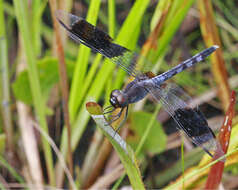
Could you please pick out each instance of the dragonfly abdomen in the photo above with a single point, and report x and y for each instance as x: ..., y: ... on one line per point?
x: 184, y: 65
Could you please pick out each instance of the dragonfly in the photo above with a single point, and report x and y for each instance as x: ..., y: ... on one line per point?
x: 173, y: 99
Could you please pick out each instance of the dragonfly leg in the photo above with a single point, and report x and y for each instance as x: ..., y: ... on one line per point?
x: 115, y: 117
x: 124, y: 119
x: 107, y: 108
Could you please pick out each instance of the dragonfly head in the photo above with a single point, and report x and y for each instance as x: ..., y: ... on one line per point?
x: 117, y: 99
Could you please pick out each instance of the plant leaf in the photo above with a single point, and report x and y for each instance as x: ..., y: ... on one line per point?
x: 156, y: 142
x: 48, y: 73
x: 124, y: 151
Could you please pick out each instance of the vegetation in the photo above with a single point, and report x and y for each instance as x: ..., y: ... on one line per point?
x: 49, y: 86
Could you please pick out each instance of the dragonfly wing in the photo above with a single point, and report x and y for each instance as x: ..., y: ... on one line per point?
x: 191, y: 121
x: 128, y: 62
x: 177, y: 91
x: 83, y: 32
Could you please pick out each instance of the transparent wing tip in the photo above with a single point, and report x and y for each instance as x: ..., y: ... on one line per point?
x: 66, y: 19
x: 214, y: 149
x: 219, y: 152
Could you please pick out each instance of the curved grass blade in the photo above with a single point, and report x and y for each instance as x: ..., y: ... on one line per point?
x: 124, y: 151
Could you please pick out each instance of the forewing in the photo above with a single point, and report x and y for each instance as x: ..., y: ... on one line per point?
x: 83, y: 32
x: 190, y: 121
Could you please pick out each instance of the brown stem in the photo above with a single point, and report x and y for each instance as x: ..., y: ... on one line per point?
x: 211, y: 37
x: 63, y: 81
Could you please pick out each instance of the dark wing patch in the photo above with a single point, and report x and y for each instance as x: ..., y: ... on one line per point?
x: 190, y: 121
x: 83, y: 32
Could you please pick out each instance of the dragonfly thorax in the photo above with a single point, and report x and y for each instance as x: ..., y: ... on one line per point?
x: 118, y: 99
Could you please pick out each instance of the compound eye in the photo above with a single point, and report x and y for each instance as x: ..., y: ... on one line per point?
x: 115, y: 93
x: 116, y: 98
x: 114, y: 102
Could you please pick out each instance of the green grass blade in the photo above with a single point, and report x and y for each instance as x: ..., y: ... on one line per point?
x: 147, y: 131
x: 89, y: 78
x: 132, y: 21
x: 121, y: 73
x: 11, y: 170
x: 123, y: 150
x: 82, y: 64
x: 175, y: 17
x: 37, y: 11
x: 112, y: 25
x: 111, y: 17
x: 23, y: 24
x: 4, y: 83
